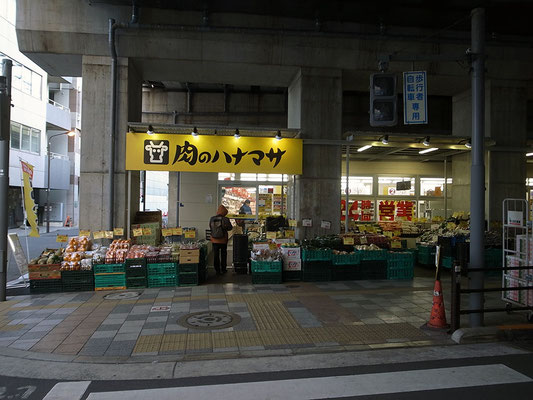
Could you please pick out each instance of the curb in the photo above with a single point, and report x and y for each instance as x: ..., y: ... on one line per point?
x: 493, y: 334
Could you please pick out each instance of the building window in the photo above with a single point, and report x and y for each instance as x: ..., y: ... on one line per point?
x: 357, y: 185
x: 25, y: 138
x: 434, y: 187
x: 388, y: 186
x: 25, y: 80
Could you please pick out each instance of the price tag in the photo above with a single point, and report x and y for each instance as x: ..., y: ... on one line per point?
x: 118, y: 231
x: 450, y: 225
x: 348, y: 240
x: 325, y: 224
x: 98, y: 234
x: 85, y: 233
x: 190, y: 234
x: 370, y: 229
x: 289, y: 234
x: 177, y: 231
x: 293, y: 223
x: 396, y: 244
x: 137, y: 232
x: 61, y: 238
x: 361, y: 228
x: 397, y: 233
x: 271, y: 235
x: 273, y: 246
x: 363, y: 240
x: 147, y: 231
x: 388, y: 233
x: 307, y: 222
x: 166, y: 232
x: 108, y: 234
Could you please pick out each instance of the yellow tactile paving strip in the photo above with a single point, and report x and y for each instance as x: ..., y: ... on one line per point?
x: 248, y: 338
x: 174, y: 342
x: 271, y: 315
x: 224, y: 339
x: 148, y: 344
x: 199, y: 341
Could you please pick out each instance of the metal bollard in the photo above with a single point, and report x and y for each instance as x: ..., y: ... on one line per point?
x: 456, y: 298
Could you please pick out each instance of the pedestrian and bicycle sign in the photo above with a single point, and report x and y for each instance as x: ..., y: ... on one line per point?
x: 415, y: 98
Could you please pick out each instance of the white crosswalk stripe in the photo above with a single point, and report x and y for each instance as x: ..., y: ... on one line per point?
x: 332, y: 387
x: 68, y: 391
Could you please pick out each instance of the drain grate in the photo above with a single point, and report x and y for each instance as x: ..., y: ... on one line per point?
x: 209, y: 320
x: 123, y: 296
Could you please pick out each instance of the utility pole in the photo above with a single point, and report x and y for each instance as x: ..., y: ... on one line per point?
x: 477, y: 184
x: 5, y: 117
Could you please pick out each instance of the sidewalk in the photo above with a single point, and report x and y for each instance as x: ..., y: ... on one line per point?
x: 257, y: 320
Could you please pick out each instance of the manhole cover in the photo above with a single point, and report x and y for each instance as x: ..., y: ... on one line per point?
x: 122, y: 296
x: 209, y: 320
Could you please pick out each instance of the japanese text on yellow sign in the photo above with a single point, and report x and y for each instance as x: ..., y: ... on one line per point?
x: 208, y: 153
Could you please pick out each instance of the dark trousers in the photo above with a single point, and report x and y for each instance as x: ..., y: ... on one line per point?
x: 221, y: 255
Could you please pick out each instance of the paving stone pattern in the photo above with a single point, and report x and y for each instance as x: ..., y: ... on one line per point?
x: 336, y: 315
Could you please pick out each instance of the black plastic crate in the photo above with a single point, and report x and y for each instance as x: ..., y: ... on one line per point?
x: 46, y: 286
x: 188, y: 279
x: 322, y: 276
x: 136, y: 267
x: 202, y: 275
x: 344, y: 272
x: 266, y: 278
x: 371, y: 270
x: 77, y: 277
x: 291, y: 276
x: 78, y: 287
x: 240, y: 267
x: 187, y: 268
x: 138, y: 282
x: 316, y: 267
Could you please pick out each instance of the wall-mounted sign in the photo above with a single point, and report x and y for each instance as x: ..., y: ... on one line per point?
x: 307, y: 222
x: 208, y: 153
x: 415, y: 98
x: 325, y: 224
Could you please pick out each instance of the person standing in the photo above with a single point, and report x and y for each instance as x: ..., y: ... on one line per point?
x: 245, y: 208
x: 220, y: 225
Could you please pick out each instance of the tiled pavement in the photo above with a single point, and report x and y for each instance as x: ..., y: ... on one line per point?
x: 298, y: 316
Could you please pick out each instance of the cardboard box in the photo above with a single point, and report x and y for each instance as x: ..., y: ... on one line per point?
x: 260, y: 246
x: 190, y: 253
x: 190, y: 260
x: 291, y: 253
x: 43, y: 267
x: 292, y: 265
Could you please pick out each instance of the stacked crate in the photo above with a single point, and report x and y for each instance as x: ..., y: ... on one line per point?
x: 77, y: 281
x: 202, y: 265
x: 316, y: 265
x: 136, y: 273
x: 266, y: 272
x: 344, y: 266
x: 292, y: 264
x: 45, y: 278
x: 188, y: 267
x: 109, y: 276
x: 373, y: 265
x: 162, y: 275
x: 426, y: 255
x: 400, y: 265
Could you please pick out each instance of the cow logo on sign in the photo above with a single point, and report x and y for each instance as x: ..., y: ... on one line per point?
x: 156, y: 152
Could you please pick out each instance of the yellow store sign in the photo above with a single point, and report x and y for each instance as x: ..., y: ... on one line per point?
x: 209, y: 153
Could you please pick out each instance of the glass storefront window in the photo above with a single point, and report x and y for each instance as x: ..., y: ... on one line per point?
x: 434, y: 187
x: 357, y: 185
x: 387, y: 186
x: 224, y: 176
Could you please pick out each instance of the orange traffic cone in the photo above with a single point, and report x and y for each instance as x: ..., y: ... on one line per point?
x: 437, y: 318
x: 68, y: 221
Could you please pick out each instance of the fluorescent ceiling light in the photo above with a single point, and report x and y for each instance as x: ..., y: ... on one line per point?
x: 468, y: 145
x: 428, y: 150
x: 529, y: 154
x: 360, y: 149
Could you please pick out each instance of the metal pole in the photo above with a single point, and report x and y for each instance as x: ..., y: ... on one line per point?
x: 282, y: 187
x: 477, y: 185
x: 5, y: 117
x: 48, y: 186
x: 347, y: 220
x: 445, y: 188
x: 113, y: 125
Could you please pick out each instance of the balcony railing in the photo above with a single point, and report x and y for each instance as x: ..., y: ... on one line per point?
x: 56, y: 104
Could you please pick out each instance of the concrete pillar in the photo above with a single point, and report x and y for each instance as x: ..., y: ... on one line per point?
x: 315, y: 107
x: 508, y: 119
x: 95, y: 138
x: 173, y: 198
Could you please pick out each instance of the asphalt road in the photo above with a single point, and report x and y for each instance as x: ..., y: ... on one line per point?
x: 508, y: 376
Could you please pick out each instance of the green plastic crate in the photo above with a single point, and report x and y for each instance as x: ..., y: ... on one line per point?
x: 161, y: 269
x: 346, y: 259
x: 135, y: 267
x: 316, y: 255
x: 400, y: 272
x: 110, y: 280
x: 162, y: 280
x: 316, y: 266
x: 426, y: 249
x: 426, y: 258
x: 188, y: 279
x: 77, y: 277
x: 108, y: 268
x: 373, y: 255
x: 447, y: 262
x: 266, y: 278
x: 188, y: 268
x: 344, y: 272
x: 78, y: 287
x: 266, y: 266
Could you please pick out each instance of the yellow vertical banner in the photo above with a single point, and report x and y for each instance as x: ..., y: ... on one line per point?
x: 29, y: 204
